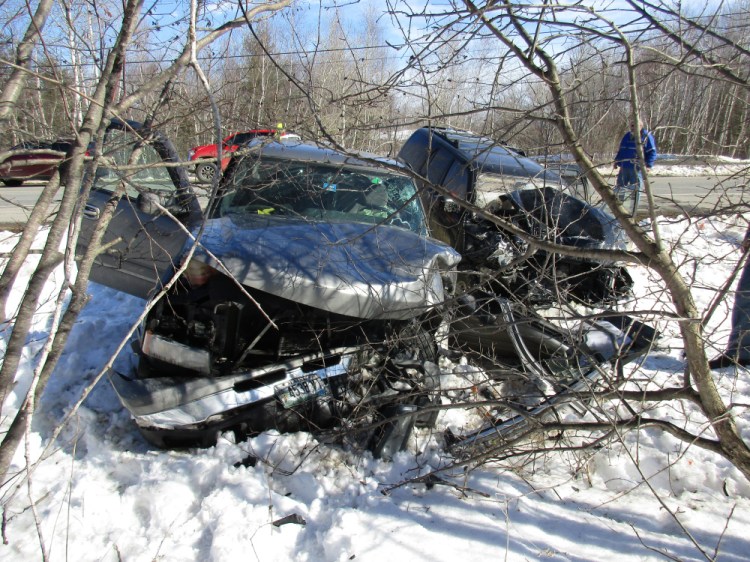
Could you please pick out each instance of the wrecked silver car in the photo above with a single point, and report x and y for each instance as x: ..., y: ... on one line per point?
x: 308, y: 296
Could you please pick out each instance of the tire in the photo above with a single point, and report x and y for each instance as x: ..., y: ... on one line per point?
x: 205, y: 172
x: 412, y: 354
x: 418, y: 342
x: 13, y: 183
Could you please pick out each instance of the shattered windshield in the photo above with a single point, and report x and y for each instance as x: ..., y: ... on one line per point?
x: 316, y: 191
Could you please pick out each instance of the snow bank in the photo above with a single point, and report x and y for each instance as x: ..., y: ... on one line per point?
x: 104, y: 494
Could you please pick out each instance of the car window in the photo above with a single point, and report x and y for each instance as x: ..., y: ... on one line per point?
x: 61, y: 146
x: 244, y: 138
x: 414, y: 153
x: 457, y: 179
x: 439, y: 163
x: 318, y: 192
x: 140, y: 167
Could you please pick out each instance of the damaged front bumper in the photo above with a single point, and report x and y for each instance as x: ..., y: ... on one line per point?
x: 171, y: 411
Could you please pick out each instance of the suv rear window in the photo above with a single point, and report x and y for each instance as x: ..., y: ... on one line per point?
x: 244, y: 138
x: 438, y: 165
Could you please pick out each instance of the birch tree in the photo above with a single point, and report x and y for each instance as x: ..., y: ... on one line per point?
x: 104, y: 102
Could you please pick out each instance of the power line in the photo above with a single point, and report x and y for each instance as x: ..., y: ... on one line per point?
x: 300, y: 53
x: 297, y: 53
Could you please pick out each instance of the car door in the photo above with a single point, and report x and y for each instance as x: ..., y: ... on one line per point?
x: 447, y: 170
x: 142, y: 244
x: 30, y: 164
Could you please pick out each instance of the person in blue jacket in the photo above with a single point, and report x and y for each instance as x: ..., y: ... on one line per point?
x: 629, y: 177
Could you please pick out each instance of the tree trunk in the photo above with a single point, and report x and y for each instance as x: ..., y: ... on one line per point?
x: 71, y: 174
x: 38, y: 216
x: 658, y: 259
x: 14, y: 86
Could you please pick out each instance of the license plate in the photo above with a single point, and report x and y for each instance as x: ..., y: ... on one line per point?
x: 301, y: 389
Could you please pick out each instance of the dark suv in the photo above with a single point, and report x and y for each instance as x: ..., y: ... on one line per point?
x: 503, y: 181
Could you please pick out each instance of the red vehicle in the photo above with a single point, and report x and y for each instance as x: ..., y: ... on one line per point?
x: 205, y: 155
x: 33, y: 160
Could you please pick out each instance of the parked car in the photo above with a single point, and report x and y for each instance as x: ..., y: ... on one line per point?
x: 205, y: 156
x: 33, y: 160
x: 308, y: 301
x: 504, y: 182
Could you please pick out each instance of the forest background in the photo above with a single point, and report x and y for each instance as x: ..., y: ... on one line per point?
x: 553, y: 78
x: 367, y: 74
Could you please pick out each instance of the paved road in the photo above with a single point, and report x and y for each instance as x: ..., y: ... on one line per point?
x: 16, y: 204
x: 694, y: 195
x: 700, y: 195
x: 673, y: 195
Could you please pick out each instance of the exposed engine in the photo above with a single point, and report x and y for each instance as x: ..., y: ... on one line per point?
x: 505, y: 263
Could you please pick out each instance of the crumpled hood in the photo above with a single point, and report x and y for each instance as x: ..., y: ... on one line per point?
x: 354, y: 269
x: 575, y: 222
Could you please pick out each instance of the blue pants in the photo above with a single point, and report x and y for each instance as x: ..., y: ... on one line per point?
x: 738, y: 347
x: 628, y: 187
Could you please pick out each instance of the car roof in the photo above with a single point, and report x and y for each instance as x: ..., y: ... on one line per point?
x: 492, y: 156
x: 468, y: 141
x: 310, y: 151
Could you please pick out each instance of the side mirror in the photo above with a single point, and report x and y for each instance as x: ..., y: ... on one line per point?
x: 149, y: 203
x: 450, y: 206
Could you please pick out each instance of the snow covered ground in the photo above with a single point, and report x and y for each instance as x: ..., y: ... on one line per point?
x: 681, y: 166
x: 104, y: 494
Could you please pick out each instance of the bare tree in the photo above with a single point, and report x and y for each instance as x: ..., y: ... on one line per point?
x: 529, y: 32
x: 13, y: 88
x: 548, y: 77
x: 103, y: 104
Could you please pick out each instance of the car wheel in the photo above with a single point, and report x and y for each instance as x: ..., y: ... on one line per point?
x: 422, y: 345
x: 13, y: 183
x: 408, y: 380
x: 205, y: 172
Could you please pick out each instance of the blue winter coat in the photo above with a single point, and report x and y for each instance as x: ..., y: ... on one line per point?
x: 627, y: 155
